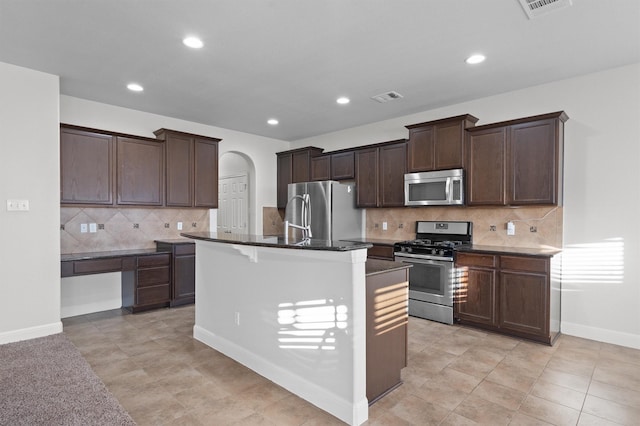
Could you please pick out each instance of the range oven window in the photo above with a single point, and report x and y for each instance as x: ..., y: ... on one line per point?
x: 428, y: 278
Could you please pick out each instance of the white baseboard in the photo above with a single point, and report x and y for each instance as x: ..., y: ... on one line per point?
x: 30, y: 333
x: 601, y: 335
x: 351, y: 413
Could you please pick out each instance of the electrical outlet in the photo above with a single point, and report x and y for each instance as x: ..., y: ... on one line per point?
x: 384, y: 226
x: 93, y: 228
x: 237, y: 318
x: 533, y: 229
x: 83, y: 228
x: 179, y: 226
x: 511, y: 228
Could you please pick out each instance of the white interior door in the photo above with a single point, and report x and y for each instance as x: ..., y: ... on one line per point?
x: 233, y: 204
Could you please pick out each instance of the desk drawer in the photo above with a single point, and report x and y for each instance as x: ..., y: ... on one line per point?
x: 154, y: 276
x: 154, y: 294
x: 96, y: 266
x: 154, y: 260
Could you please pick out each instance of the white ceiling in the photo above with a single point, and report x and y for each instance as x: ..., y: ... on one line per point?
x: 291, y: 59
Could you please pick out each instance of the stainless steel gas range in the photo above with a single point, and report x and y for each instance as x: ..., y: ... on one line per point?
x: 433, y: 278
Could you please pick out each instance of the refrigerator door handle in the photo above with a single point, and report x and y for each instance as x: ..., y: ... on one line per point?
x: 305, y: 219
x: 307, y: 209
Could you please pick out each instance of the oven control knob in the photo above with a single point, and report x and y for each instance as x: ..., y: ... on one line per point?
x: 441, y: 252
x: 434, y: 251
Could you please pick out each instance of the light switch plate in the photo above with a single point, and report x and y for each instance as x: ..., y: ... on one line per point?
x: 511, y: 228
x: 18, y: 205
x: 179, y: 226
x: 83, y: 228
x: 93, y: 227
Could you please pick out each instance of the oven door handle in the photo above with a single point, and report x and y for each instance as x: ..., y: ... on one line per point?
x: 418, y: 257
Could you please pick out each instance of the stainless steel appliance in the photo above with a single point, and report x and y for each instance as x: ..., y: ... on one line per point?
x: 442, y: 187
x: 324, y: 210
x: 433, y: 278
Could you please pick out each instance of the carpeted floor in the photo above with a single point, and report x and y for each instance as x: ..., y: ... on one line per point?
x: 46, y: 381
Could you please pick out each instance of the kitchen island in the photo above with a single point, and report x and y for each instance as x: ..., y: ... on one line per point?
x: 293, y: 311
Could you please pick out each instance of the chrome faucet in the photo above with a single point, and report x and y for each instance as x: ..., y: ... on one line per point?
x: 305, y: 226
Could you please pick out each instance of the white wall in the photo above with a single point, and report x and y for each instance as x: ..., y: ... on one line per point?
x: 30, y: 249
x: 602, y: 200
x: 261, y: 150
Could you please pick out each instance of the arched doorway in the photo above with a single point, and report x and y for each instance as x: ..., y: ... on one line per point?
x: 236, y: 183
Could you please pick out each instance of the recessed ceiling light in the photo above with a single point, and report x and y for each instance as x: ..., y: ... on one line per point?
x: 272, y: 121
x: 135, y: 87
x: 475, y: 59
x: 343, y: 100
x: 193, y: 42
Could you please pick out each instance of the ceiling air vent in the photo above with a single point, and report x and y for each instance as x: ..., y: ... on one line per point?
x: 386, y: 97
x: 535, y: 8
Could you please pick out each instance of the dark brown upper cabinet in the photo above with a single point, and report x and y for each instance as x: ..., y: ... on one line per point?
x: 342, y: 165
x: 191, y: 169
x: 321, y: 168
x: 86, y: 167
x: 335, y: 166
x: 380, y: 173
x: 367, y: 177
x: 517, y: 162
x: 140, y: 171
x: 439, y: 144
x: 293, y: 166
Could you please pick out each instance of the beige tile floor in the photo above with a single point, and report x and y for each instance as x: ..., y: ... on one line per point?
x: 456, y: 376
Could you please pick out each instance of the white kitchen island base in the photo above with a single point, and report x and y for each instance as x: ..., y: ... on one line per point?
x: 295, y: 316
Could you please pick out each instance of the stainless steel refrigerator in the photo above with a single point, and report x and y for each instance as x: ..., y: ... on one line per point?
x: 326, y: 208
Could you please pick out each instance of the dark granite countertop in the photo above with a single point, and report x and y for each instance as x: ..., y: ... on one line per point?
x: 176, y: 241
x: 107, y: 254
x: 378, y: 266
x: 376, y: 241
x: 509, y: 250
x: 275, y: 241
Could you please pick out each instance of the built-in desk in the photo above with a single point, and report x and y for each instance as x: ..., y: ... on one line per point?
x: 148, y: 276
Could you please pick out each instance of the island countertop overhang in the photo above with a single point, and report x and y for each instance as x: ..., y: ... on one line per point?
x: 277, y: 241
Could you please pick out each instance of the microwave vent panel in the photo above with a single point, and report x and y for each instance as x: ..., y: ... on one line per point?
x: 535, y: 8
x: 387, y: 96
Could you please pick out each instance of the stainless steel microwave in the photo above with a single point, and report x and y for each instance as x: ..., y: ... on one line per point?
x: 438, y: 188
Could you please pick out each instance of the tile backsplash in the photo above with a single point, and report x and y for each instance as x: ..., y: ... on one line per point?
x: 125, y: 228
x: 489, y: 223
x: 272, y: 221
x: 545, y: 221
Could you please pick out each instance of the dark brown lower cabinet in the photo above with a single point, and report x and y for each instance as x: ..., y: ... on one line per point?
x: 183, y: 270
x: 380, y: 251
x: 517, y: 295
x: 387, y: 318
x: 147, y: 286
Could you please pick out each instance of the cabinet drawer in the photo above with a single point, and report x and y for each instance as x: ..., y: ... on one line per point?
x: 521, y: 263
x: 381, y: 252
x: 473, y: 259
x: 185, y: 249
x: 154, y: 294
x: 154, y: 260
x: 97, y: 265
x: 154, y: 276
